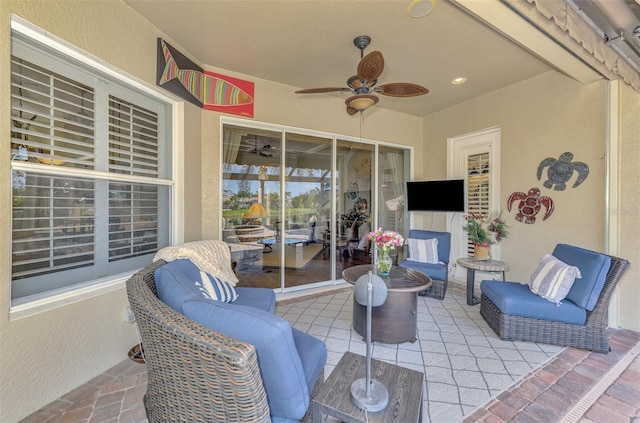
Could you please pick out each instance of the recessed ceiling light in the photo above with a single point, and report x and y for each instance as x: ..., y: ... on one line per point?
x: 420, y: 8
x: 459, y: 80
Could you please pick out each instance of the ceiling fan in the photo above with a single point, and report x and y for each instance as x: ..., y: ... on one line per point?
x: 363, y: 84
x: 262, y: 150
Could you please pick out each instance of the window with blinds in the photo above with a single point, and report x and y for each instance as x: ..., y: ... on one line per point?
x: 478, y: 174
x: 90, y: 178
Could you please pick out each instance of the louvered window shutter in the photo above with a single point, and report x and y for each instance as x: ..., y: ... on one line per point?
x: 478, y: 174
x: 90, y: 192
x: 133, y: 208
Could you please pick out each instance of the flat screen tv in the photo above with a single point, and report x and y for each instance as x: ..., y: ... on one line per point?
x: 442, y: 196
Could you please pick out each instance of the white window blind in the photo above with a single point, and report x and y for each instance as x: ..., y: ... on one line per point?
x: 478, y: 173
x: 90, y: 175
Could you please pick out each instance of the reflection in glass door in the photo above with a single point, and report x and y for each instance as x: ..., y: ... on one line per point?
x: 393, y: 172
x: 307, y: 214
x: 251, y: 204
x: 354, y: 198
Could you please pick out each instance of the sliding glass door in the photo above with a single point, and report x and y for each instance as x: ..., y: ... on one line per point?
x: 297, y: 205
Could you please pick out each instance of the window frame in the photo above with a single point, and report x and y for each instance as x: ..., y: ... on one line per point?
x: 175, y: 166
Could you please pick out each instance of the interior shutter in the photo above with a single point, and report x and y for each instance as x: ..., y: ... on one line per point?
x: 133, y: 207
x: 478, y: 172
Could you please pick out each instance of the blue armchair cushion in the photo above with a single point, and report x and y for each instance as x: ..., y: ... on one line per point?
x: 313, y: 353
x: 444, y: 241
x: 180, y: 280
x: 517, y: 300
x: 553, y: 278
x: 423, y: 250
x: 280, y: 362
x: 593, y: 267
x: 177, y: 282
x: 435, y: 271
x: 261, y: 298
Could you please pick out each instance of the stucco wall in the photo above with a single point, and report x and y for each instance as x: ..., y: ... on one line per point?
x: 542, y: 117
x: 629, y: 212
x: 47, y: 355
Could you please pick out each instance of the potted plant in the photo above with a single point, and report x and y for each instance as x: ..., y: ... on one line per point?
x: 484, y: 230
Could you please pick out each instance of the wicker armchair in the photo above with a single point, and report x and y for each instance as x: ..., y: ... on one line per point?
x: 194, y: 374
x: 591, y: 336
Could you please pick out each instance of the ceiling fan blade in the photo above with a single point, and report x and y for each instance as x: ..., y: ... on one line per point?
x: 401, y: 89
x: 351, y: 111
x: 371, y: 66
x: 323, y: 90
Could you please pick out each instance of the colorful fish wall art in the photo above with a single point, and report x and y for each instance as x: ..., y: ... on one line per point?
x: 208, y: 90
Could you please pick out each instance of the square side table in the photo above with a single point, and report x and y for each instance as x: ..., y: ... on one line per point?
x: 404, y: 387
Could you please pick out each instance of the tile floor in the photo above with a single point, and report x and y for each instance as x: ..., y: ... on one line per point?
x: 471, y: 375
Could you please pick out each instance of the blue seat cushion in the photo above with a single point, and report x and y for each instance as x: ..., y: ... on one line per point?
x: 517, y: 300
x: 593, y: 267
x: 434, y: 271
x: 262, y: 298
x: 281, y: 368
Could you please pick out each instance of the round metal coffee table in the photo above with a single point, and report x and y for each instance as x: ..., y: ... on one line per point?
x: 396, y: 320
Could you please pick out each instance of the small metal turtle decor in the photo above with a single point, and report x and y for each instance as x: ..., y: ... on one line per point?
x: 560, y: 171
x: 530, y: 205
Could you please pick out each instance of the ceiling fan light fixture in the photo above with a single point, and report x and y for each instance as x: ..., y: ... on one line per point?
x: 361, y: 102
x: 420, y: 8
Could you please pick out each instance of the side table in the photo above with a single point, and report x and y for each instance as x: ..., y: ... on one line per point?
x: 404, y: 387
x: 483, y: 266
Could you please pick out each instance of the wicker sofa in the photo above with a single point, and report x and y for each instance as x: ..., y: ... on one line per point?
x: 437, y: 272
x: 517, y: 314
x: 197, y: 374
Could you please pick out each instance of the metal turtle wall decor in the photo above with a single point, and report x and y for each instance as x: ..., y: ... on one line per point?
x: 530, y: 205
x: 561, y: 170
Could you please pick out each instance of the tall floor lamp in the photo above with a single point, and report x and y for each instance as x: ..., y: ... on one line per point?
x: 367, y: 394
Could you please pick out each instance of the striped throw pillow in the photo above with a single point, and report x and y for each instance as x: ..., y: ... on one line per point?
x: 553, y: 279
x: 423, y: 250
x: 218, y: 289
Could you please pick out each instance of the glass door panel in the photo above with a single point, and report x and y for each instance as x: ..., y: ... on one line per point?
x: 251, y: 204
x: 307, y: 211
x: 393, y: 172
x: 354, y: 202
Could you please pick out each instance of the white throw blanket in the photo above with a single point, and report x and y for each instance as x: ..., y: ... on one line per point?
x: 211, y: 256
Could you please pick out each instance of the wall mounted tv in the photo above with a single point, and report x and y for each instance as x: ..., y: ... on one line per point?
x: 443, y: 196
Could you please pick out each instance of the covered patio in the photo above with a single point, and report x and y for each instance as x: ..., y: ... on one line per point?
x: 470, y: 374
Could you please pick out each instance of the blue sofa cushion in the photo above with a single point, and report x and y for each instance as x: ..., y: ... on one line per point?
x: 593, y: 267
x: 435, y: 271
x: 261, y: 298
x: 281, y: 368
x: 517, y: 300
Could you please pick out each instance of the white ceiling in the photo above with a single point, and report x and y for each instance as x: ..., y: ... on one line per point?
x: 309, y: 43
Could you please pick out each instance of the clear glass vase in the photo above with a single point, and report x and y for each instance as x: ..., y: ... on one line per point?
x: 383, y: 263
